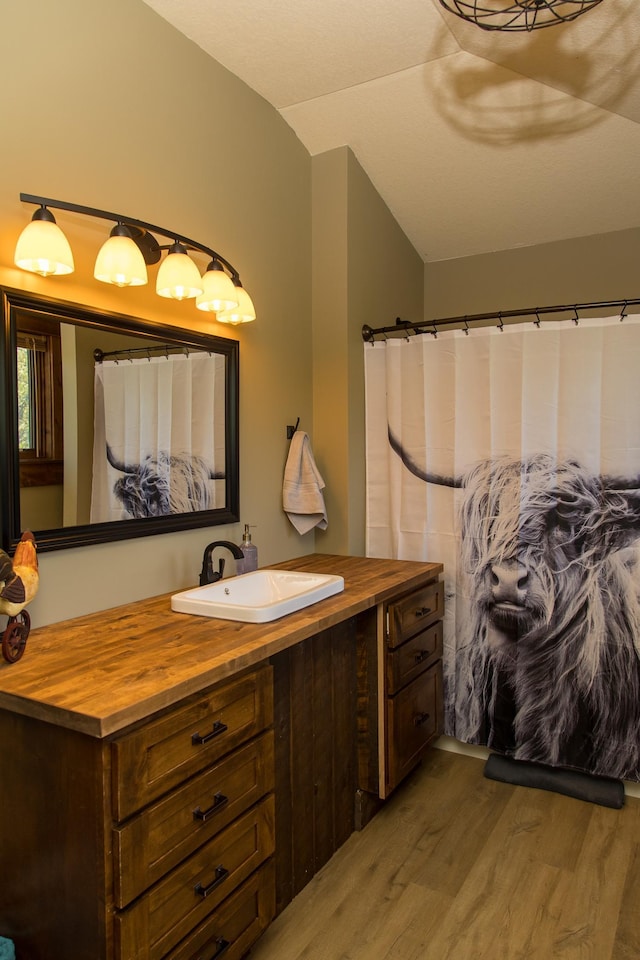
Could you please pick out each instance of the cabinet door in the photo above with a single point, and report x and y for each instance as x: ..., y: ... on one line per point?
x: 414, y: 720
x: 150, y: 844
x: 410, y: 614
x: 236, y: 924
x: 156, y: 923
x: 163, y: 753
x: 406, y: 662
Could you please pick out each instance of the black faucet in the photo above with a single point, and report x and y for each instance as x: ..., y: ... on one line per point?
x: 208, y: 574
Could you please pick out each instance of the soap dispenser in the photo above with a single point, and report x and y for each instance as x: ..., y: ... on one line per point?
x: 250, y: 551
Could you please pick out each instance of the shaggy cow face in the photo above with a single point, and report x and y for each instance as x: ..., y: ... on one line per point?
x: 529, y: 542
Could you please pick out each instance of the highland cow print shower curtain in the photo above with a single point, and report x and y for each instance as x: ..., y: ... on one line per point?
x: 159, y: 436
x: 512, y: 456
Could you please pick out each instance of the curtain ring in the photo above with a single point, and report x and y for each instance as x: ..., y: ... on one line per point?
x: 466, y: 327
x: 434, y: 332
x: 500, y: 323
x: 576, y: 319
x: 623, y: 312
x: 536, y: 322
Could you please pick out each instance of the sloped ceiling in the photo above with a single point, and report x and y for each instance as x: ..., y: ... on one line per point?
x: 476, y: 141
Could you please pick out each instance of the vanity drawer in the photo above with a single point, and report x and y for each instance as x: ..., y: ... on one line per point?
x: 410, y: 614
x: 406, y: 662
x: 157, y: 922
x: 414, y: 719
x: 236, y: 924
x: 165, y: 752
x: 157, y: 839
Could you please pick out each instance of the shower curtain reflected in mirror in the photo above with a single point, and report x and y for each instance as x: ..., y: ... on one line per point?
x: 159, y: 436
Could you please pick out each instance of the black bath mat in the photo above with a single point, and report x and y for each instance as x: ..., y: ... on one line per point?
x: 604, y: 791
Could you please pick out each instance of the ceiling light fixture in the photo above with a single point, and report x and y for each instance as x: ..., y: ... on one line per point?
x: 122, y: 260
x: 524, y: 15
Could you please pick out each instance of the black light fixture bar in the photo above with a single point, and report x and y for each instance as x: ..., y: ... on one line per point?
x: 141, y: 225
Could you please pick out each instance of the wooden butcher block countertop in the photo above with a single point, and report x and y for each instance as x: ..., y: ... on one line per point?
x: 100, y: 673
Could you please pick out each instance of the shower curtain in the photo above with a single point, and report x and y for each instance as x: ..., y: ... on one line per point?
x: 512, y: 456
x: 159, y: 436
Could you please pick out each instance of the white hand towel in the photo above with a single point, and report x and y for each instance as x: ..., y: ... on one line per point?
x: 302, y: 495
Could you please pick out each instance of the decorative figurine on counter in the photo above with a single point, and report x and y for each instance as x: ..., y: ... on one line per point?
x: 19, y: 581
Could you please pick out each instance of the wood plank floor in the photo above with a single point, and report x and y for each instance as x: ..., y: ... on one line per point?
x: 458, y: 866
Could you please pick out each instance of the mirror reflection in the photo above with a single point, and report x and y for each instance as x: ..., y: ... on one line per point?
x: 114, y: 427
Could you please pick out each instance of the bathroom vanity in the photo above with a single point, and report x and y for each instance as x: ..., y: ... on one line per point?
x: 170, y: 782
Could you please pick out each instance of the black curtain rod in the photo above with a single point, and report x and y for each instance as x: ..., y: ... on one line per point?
x: 404, y: 326
x: 163, y: 349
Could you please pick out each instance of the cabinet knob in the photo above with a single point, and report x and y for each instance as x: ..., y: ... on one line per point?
x: 423, y: 612
x: 420, y: 718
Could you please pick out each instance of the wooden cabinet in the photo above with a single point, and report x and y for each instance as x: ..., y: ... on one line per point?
x: 194, y: 820
x: 400, y: 695
x: 142, y: 816
x: 155, y: 845
x: 413, y: 701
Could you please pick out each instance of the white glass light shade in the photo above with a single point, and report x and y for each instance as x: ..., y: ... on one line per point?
x: 178, y: 277
x: 43, y: 248
x: 245, y: 312
x: 219, y: 291
x: 120, y: 261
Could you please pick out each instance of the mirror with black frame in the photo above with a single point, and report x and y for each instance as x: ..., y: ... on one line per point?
x: 113, y: 427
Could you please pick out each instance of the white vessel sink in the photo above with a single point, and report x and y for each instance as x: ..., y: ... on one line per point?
x: 259, y: 596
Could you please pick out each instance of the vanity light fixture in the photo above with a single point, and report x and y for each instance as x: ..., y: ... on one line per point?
x: 219, y: 292
x: 43, y: 248
x: 120, y: 261
x: 524, y: 15
x: 244, y: 312
x: 123, y: 259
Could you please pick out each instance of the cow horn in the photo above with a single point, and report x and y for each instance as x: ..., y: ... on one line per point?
x: 118, y: 464
x: 417, y: 471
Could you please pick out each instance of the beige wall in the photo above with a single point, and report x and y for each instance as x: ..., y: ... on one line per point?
x: 585, y: 270
x: 107, y: 106
x: 364, y: 271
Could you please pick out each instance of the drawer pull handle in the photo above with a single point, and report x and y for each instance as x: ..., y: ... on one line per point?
x: 420, y: 718
x: 422, y: 655
x: 218, y: 728
x: 221, y: 875
x: 219, y: 801
x: 222, y: 946
x: 423, y: 612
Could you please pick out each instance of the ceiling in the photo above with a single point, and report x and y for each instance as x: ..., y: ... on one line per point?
x: 477, y: 141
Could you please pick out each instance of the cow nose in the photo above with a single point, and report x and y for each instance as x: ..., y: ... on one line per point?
x: 509, y: 580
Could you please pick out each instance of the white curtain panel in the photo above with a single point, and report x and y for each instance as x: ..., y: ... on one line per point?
x: 159, y: 436
x: 516, y: 465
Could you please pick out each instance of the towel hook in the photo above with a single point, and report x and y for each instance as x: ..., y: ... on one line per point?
x: 291, y: 430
